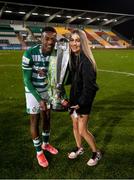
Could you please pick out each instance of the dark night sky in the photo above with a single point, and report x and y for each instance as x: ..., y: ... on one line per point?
x: 117, y: 6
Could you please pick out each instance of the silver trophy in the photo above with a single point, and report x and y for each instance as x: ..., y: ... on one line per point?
x: 61, y: 72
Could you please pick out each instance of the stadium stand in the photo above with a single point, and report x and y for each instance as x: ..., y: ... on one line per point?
x: 35, y: 32
x: 92, y: 40
x: 8, y: 37
x: 115, y: 39
x: 98, y: 38
x: 22, y: 26
x: 27, y: 36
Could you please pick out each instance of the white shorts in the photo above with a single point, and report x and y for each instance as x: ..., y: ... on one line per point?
x: 32, y: 105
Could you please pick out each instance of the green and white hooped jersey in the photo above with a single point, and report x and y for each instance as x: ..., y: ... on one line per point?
x: 34, y: 62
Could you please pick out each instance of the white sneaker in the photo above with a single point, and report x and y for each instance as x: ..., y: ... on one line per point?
x: 75, y: 153
x: 94, y: 160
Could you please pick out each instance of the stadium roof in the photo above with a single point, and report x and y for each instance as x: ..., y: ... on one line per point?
x: 116, y: 14
x: 34, y: 11
x: 115, y: 6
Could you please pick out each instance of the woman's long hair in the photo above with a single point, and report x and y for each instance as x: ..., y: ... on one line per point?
x: 85, y: 46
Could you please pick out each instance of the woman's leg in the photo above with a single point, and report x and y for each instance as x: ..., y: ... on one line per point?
x: 83, y: 131
x: 77, y: 136
x: 78, y: 150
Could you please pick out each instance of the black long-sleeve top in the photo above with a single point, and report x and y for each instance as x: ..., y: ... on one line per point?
x: 83, y: 86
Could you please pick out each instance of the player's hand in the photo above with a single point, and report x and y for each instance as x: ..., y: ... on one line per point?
x: 65, y: 103
x: 43, y: 105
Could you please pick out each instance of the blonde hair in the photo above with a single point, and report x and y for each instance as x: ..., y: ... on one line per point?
x: 85, y: 46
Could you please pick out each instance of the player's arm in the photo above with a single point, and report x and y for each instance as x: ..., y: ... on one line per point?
x: 27, y: 64
x: 27, y: 74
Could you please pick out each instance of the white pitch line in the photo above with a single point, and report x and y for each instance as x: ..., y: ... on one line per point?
x: 116, y: 72
x: 102, y: 70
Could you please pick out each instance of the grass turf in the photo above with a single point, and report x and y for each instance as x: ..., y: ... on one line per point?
x: 112, y: 123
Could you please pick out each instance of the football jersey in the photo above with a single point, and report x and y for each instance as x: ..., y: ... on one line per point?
x: 35, y: 66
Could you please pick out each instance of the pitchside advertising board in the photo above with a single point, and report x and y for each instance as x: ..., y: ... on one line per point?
x: 18, y: 47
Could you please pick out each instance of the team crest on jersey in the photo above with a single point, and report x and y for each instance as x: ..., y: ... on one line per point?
x: 25, y: 60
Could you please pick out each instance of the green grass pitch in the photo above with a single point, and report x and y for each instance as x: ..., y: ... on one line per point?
x: 112, y: 124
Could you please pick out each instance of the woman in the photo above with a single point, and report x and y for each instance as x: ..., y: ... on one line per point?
x: 82, y: 93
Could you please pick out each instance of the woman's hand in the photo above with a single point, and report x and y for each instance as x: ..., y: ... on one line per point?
x: 75, y: 107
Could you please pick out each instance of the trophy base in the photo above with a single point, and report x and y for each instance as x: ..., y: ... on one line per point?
x: 58, y: 107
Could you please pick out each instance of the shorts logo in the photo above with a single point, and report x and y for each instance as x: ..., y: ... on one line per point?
x: 34, y: 109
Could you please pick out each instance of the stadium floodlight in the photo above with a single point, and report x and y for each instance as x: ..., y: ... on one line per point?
x: 22, y: 12
x: 46, y: 14
x: 68, y: 17
x: 7, y: 11
x: 105, y: 19
x: 35, y: 14
x: 58, y: 15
